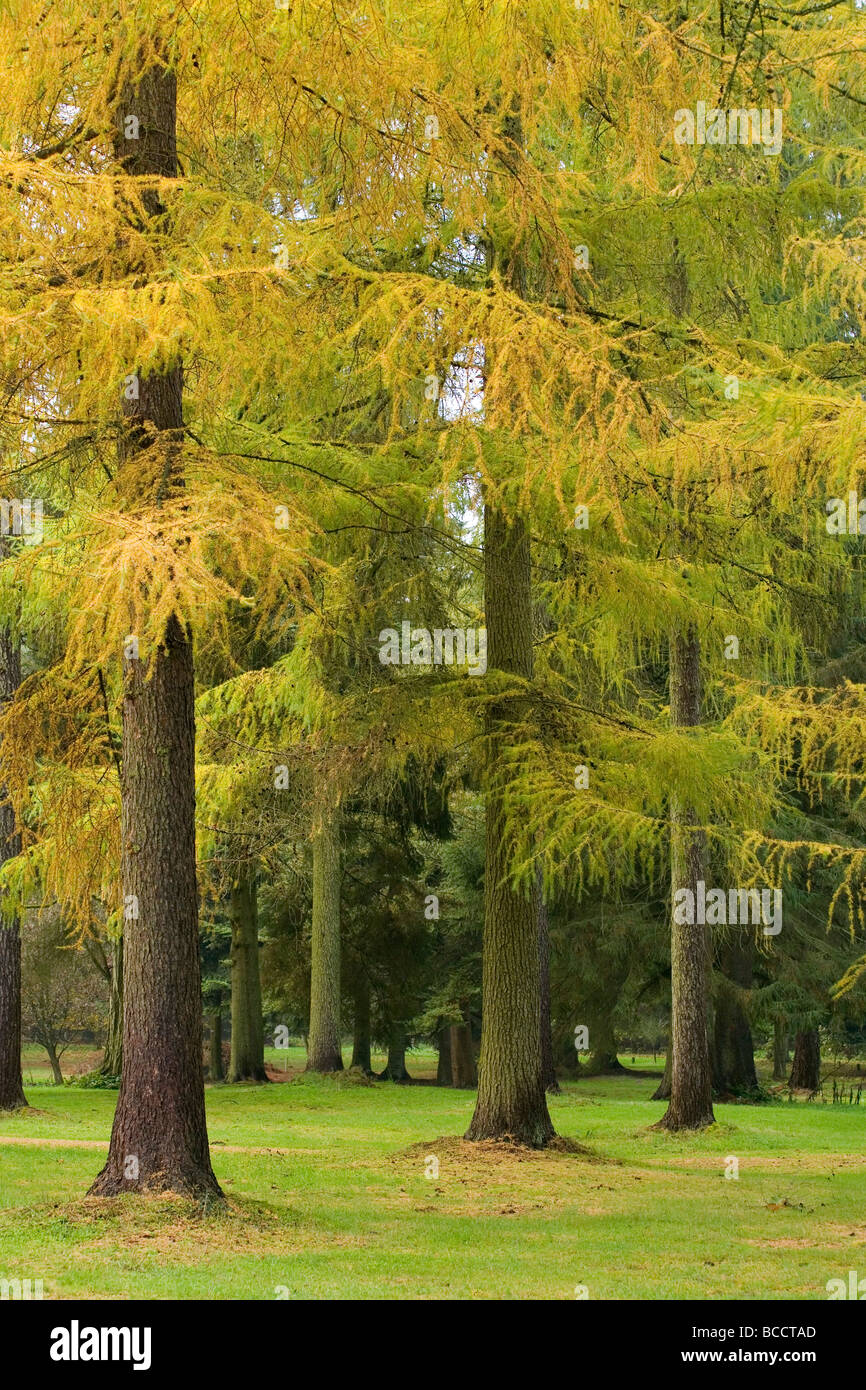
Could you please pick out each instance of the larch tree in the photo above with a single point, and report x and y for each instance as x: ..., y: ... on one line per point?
x: 159, y: 1137
x: 171, y: 540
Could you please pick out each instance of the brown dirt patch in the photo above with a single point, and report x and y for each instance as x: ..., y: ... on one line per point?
x: 813, y: 1162
x: 178, y: 1230
x: 490, y: 1150
x: 830, y: 1236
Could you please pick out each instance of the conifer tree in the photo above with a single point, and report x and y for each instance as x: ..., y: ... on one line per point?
x: 159, y: 1137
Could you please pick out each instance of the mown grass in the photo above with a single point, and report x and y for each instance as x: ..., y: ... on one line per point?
x: 329, y: 1198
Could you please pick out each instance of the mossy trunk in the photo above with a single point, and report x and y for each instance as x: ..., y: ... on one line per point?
x: 733, y: 1048
x: 159, y: 1138
x: 806, y: 1067
x: 247, y: 1062
x: 112, y: 1058
x: 361, y: 1030
x: 511, y: 1098
x: 324, y: 1043
x: 691, y: 1099
x: 11, y: 1082
x: 216, y: 1071
x: 780, y: 1051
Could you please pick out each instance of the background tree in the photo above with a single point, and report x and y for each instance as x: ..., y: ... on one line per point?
x: 61, y: 995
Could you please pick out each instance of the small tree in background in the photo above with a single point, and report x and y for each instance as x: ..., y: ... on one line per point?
x: 61, y: 991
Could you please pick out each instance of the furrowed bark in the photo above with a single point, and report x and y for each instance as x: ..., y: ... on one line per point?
x: 511, y: 1100
x: 691, y: 1101
x: 159, y: 1137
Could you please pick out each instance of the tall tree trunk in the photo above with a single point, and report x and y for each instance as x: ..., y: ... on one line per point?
x: 395, y: 1067
x: 443, y: 1069
x: 806, y: 1067
x: 325, y: 1038
x: 511, y: 1100
x: 216, y: 1071
x: 548, y: 1067
x: 112, y: 1059
x: 463, y: 1076
x: 733, y: 1049
x: 159, y: 1137
x: 361, y: 1031
x: 780, y: 1051
x: 248, y: 1035
x: 663, y: 1089
x: 691, y: 1102
x: 11, y: 1082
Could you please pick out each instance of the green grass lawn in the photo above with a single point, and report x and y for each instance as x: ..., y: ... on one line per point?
x: 329, y: 1198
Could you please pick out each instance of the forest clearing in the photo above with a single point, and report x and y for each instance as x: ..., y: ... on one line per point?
x: 329, y: 1197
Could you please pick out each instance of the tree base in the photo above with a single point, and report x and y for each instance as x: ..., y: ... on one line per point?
x: 324, y: 1066
x: 674, y: 1123
x: 255, y: 1074
x: 603, y: 1066
x: 181, y: 1183
x: 533, y: 1133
